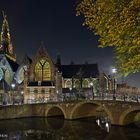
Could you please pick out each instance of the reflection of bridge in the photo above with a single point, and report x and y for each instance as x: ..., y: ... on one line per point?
x: 118, y: 112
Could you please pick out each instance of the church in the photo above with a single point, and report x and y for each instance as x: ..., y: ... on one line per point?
x: 40, y: 79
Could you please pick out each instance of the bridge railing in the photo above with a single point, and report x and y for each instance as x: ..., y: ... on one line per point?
x: 118, y: 97
x: 79, y: 97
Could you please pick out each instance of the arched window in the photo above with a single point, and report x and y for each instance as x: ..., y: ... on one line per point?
x: 46, y: 71
x: 38, y: 72
x: 68, y: 84
x: 1, y: 74
x: 77, y: 84
x: 85, y: 84
x: 21, y: 75
x: 42, y: 71
x: 7, y: 76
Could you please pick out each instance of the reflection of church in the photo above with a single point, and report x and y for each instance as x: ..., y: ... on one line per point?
x: 39, y: 77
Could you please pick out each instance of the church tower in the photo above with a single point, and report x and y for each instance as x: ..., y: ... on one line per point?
x: 6, y: 47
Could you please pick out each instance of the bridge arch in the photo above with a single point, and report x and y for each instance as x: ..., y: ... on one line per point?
x: 55, y: 111
x: 131, y: 115
x: 89, y: 109
x: 83, y: 110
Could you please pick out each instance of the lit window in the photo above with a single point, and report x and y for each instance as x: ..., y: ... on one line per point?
x: 42, y: 71
x: 46, y: 71
x: 7, y: 76
x: 21, y: 75
x: 85, y: 84
x: 77, y: 84
x: 38, y: 72
x: 68, y: 84
x: 1, y: 74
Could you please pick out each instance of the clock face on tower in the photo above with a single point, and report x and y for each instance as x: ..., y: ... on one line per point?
x: 1, y: 73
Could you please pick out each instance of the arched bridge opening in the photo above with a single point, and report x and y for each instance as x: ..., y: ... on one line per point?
x: 55, y: 112
x: 84, y: 110
x: 131, y: 117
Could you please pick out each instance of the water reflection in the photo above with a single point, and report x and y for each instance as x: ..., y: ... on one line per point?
x: 58, y: 129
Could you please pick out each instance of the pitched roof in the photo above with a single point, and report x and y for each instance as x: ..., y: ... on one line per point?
x: 83, y: 70
x: 26, y: 60
x: 13, y: 64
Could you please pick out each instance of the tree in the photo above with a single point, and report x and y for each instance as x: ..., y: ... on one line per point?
x: 117, y: 22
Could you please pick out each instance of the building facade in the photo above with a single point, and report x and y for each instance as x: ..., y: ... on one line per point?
x: 40, y: 79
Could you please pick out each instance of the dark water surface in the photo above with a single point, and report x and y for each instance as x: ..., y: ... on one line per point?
x: 58, y: 129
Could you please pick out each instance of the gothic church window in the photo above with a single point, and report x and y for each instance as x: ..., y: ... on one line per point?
x: 21, y: 73
x: 1, y: 74
x: 85, y: 83
x: 42, y: 70
x: 38, y: 72
x: 68, y: 84
x: 7, y: 76
x: 46, y: 71
x: 77, y: 84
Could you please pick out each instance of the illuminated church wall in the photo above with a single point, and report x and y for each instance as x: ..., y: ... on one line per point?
x: 42, y: 67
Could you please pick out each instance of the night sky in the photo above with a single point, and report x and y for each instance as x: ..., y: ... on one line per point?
x: 54, y: 22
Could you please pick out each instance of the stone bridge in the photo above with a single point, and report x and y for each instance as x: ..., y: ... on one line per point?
x: 118, y: 112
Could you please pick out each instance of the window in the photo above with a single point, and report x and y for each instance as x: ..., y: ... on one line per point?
x: 7, y: 76
x: 42, y: 70
x: 38, y: 72
x: 77, y: 84
x: 1, y: 74
x: 21, y: 75
x: 85, y: 84
x: 46, y: 71
x: 68, y: 84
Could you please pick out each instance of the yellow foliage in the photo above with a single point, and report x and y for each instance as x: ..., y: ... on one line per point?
x: 117, y: 22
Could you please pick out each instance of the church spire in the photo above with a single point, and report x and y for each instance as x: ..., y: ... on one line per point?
x: 6, y: 44
x: 58, y: 61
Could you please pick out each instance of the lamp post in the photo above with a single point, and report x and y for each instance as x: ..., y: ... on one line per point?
x: 13, y: 86
x: 114, y: 70
x: 91, y: 85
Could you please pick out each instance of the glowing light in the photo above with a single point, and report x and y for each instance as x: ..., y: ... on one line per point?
x: 114, y: 70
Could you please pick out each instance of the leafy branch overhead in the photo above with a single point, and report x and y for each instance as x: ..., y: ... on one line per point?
x: 117, y: 22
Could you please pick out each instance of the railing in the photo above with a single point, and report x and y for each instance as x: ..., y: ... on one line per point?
x: 103, y: 96
x: 78, y: 97
x: 119, y: 97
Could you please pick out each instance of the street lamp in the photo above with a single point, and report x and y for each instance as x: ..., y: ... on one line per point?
x: 114, y: 70
x: 13, y: 86
x: 91, y: 85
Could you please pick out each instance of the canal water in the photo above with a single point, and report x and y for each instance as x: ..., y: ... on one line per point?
x: 59, y: 129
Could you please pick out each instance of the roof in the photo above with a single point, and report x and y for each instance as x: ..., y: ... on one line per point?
x: 41, y: 83
x: 83, y: 70
x: 13, y: 65
x: 26, y: 60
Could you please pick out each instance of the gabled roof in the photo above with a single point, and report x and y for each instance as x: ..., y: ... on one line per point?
x: 26, y: 60
x: 80, y: 70
x: 13, y: 64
